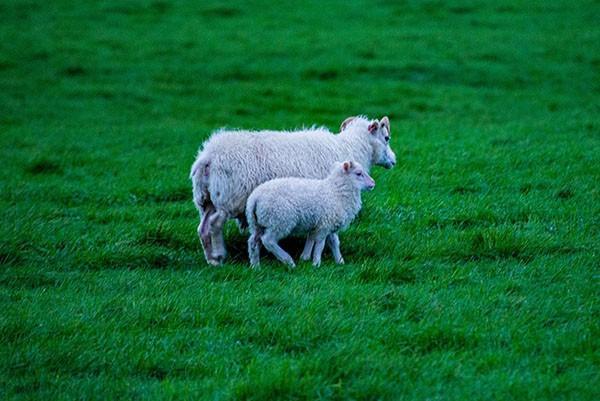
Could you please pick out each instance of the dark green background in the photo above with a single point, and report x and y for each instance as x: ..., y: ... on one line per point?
x: 472, y: 271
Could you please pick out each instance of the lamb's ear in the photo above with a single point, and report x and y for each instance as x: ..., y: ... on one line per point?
x: 346, y: 122
x: 373, y: 126
x: 347, y: 166
x: 385, y: 122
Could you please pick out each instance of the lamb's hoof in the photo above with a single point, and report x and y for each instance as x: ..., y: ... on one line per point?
x: 304, y: 257
x: 291, y: 265
x: 341, y: 261
x: 316, y: 264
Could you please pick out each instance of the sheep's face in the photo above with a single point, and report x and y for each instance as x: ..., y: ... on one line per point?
x: 360, y: 178
x: 383, y: 155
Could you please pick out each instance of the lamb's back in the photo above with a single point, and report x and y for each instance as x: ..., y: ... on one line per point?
x: 297, y: 202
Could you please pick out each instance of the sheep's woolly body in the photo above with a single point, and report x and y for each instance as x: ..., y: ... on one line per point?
x: 300, y: 206
x: 233, y: 163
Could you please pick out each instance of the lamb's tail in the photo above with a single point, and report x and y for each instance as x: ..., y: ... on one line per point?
x: 251, y: 215
x: 200, y: 175
x: 256, y: 232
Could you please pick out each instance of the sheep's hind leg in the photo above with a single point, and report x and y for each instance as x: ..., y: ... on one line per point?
x: 217, y: 221
x: 308, y: 248
x: 254, y: 249
x: 333, y: 241
x: 270, y: 243
x: 204, y: 231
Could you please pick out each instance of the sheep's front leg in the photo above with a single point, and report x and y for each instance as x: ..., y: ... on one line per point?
x: 217, y: 221
x: 333, y: 241
x: 270, y: 243
x: 308, y: 248
x: 318, y: 251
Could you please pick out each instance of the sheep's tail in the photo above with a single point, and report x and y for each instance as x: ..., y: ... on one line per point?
x: 200, y: 175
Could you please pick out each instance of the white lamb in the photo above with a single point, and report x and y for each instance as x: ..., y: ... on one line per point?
x: 303, y: 206
x: 232, y: 163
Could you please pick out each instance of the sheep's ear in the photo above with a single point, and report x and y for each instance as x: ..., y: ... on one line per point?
x: 347, y: 166
x: 346, y: 122
x: 373, y: 127
x: 385, y: 122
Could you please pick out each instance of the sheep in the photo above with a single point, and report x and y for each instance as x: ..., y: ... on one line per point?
x: 230, y: 164
x: 304, y: 206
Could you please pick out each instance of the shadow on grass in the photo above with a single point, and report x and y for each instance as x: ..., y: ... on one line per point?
x: 44, y: 166
x: 165, y: 236
x: 23, y: 279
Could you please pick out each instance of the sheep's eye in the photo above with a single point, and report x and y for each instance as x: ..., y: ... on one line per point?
x: 387, y: 138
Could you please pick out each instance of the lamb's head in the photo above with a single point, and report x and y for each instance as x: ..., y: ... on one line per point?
x: 357, y: 175
x: 379, y: 139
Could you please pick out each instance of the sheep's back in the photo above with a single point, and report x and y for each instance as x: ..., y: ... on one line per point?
x: 240, y: 161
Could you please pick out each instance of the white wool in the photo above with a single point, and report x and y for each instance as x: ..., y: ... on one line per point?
x: 231, y: 164
x: 239, y: 161
x: 299, y: 206
x: 303, y: 206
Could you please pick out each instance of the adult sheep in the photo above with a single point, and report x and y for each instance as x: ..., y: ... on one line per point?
x: 231, y: 164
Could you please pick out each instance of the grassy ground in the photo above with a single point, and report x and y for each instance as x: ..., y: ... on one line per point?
x: 472, y: 270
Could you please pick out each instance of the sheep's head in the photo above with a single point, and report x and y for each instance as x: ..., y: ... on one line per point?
x: 383, y: 155
x: 379, y: 139
x: 360, y: 178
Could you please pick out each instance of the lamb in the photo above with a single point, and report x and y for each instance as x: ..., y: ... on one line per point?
x: 303, y: 206
x: 231, y: 164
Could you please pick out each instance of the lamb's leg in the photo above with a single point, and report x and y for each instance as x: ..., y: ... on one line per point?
x: 254, y: 249
x: 217, y: 221
x: 319, y: 245
x: 308, y: 248
x: 204, y: 231
x: 333, y: 241
x: 270, y: 243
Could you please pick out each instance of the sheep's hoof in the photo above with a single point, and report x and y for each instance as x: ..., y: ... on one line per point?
x: 305, y: 257
x: 214, y: 262
x: 217, y: 259
x: 341, y: 261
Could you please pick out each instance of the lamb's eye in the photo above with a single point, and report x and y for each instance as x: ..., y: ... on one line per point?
x: 387, y: 138
x: 359, y: 174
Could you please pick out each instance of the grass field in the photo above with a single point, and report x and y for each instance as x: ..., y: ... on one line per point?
x: 472, y: 271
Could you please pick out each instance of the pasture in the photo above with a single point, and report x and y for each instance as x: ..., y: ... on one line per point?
x: 471, y: 271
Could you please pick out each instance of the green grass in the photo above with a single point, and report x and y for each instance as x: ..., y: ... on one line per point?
x: 472, y: 271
